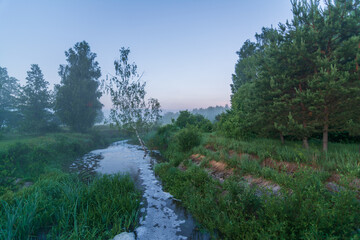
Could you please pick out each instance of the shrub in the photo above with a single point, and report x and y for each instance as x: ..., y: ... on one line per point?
x: 163, y: 136
x: 188, y: 138
x: 187, y: 119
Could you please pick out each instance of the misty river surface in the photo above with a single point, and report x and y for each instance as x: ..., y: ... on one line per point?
x: 163, y: 217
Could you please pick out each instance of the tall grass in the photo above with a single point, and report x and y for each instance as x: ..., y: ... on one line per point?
x: 342, y: 158
x: 60, y: 206
x: 234, y: 210
x: 29, y: 157
x: 303, y: 208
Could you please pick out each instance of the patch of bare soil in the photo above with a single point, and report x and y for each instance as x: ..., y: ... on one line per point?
x: 197, y: 158
x: 182, y: 167
x: 334, y: 184
x: 219, y: 170
x: 288, y: 167
x: 355, y: 183
x: 210, y: 147
x: 263, y: 183
x: 251, y: 156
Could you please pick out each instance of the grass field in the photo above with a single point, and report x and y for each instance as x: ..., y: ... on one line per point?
x: 260, y: 189
x: 57, y: 204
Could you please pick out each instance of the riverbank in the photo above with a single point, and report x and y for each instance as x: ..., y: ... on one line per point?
x: 260, y: 189
x: 41, y: 200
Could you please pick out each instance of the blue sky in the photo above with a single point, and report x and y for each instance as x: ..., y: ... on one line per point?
x: 186, y: 49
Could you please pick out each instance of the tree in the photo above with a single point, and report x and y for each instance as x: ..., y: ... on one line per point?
x: 326, y: 47
x: 246, y: 67
x: 77, y: 96
x: 130, y: 109
x: 35, y: 101
x: 9, y: 91
x: 186, y: 118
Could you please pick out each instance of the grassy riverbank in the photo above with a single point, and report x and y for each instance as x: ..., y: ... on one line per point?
x: 39, y: 198
x: 260, y: 189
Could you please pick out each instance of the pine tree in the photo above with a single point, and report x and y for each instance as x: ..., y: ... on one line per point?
x: 77, y: 96
x: 330, y: 40
x: 9, y: 93
x: 35, y: 101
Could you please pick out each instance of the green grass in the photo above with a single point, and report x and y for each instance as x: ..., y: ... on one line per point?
x: 61, y: 206
x: 30, y: 156
x: 341, y: 158
x: 304, y: 207
x: 233, y: 210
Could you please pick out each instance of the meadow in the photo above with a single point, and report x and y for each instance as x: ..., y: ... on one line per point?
x: 262, y: 189
x: 41, y: 199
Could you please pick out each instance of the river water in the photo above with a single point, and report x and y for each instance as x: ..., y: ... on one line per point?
x: 163, y: 217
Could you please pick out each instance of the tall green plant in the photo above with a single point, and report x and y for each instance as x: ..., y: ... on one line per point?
x: 35, y: 101
x: 9, y: 93
x: 77, y: 96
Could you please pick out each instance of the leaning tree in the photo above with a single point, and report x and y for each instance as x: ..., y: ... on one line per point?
x: 130, y: 109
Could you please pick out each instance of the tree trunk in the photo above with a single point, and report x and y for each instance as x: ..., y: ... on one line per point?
x: 282, y: 139
x: 140, y: 141
x: 305, y: 143
x: 325, y: 137
x: 326, y: 130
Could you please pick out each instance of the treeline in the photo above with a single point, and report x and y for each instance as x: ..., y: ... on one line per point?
x: 210, y: 113
x: 300, y: 79
x: 34, y: 108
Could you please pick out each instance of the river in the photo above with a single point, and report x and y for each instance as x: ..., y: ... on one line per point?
x: 162, y: 216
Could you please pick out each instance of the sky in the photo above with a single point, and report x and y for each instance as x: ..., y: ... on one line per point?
x: 186, y: 49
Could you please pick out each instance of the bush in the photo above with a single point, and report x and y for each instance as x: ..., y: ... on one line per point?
x: 188, y: 138
x: 187, y: 119
x: 163, y: 136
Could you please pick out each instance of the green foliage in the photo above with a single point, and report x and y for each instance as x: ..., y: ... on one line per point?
x: 209, y: 113
x: 163, y: 137
x: 187, y: 119
x: 9, y: 93
x: 77, y: 96
x: 130, y: 110
x: 31, y: 157
x: 234, y: 210
x: 246, y: 67
x: 35, y: 101
x: 60, y: 206
x: 301, y: 79
x: 188, y: 138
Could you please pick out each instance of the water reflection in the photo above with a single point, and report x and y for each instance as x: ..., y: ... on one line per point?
x: 163, y: 217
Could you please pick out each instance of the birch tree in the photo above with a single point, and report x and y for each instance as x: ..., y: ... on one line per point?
x: 130, y: 109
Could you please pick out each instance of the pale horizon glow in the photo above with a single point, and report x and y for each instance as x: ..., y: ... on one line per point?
x: 186, y: 49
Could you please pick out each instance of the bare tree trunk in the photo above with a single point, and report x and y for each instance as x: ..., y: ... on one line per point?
x: 305, y: 143
x: 325, y: 137
x: 305, y: 139
x: 282, y: 138
x: 326, y: 130
x: 140, y: 141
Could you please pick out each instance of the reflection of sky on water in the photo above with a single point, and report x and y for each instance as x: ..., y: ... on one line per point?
x: 163, y: 217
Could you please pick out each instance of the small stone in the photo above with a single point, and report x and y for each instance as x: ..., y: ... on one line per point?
x: 125, y: 236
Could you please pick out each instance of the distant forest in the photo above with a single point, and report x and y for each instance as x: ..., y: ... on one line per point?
x: 209, y: 113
